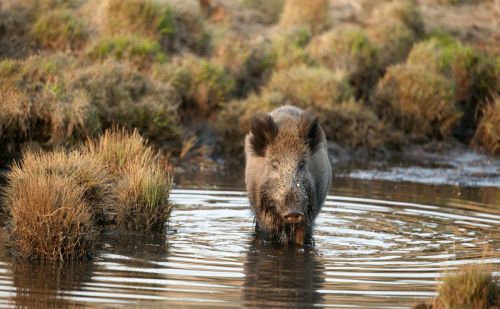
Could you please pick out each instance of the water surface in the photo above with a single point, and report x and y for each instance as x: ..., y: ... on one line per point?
x: 378, y: 244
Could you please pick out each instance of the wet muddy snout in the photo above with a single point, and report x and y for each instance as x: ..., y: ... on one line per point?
x: 293, y: 217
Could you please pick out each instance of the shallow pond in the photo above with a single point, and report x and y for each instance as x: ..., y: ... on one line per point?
x: 378, y: 244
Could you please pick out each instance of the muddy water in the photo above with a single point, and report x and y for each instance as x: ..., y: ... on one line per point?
x: 378, y: 244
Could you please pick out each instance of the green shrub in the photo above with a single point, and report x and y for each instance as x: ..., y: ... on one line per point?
x: 417, y: 100
x: 140, y: 51
x: 270, y: 9
x: 348, y: 49
x: 203, y: 85
x: 59, y: 29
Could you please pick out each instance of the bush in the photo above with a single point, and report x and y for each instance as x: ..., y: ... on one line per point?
x: 49, y: 217
x: 39, y: 102
x: 288, y: 49
x: 270, y: 10
x: 84, y: 170
x: 402, y: 10
x: 417, y: 100
x: 59, y: 29
x: 140, y: 51
x: 393, y: 39
x: 348, y: 49
x: 473, y: 73
x: 174, y: 28
x: 130, y: 99
x: 487, y: 135
x: 142, y: 188
x: 250, y: 64
x: 311, y: 13
x: 203, y: 84
x: 472, y: 286
x: 315, y: 87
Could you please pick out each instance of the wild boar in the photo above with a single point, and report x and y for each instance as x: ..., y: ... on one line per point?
x: 287, y: 174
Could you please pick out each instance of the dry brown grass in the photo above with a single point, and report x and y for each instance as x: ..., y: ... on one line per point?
x: 142, y: 187
x: 85, y: 170
x: 311, y: 13
x: 418, y: 101
x: 348, y: 49
x: 487, y: 134
x: 49, y: 217
x: 471, y: 287
x: 143, y: 203
x: 118, y: 149
x: 403, y: 10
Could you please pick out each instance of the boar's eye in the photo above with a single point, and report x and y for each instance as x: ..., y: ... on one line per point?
x: 275, y: 164
x: 302, y: 165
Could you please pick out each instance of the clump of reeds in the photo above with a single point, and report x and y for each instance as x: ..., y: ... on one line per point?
x: 83, y: 169
x: 472, y: 286
x: 203, y: 84
x: 487, y: 135
x: 348, y: 49
x: 50, y: 218
x: 142, y: 52
x: 142, y: 187
x: 59, y: 29
x: 418, y: 101
x: 312, y: 13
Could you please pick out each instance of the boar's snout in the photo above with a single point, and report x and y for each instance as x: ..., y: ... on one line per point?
x: 293, y: 217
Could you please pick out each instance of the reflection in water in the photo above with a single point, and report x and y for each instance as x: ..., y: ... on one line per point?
x: 284, y: 276
x: 45, y: 284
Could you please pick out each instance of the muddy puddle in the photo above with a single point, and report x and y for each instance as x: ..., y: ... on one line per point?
x: 378, y: 244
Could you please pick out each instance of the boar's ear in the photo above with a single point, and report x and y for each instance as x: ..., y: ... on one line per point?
x: 311, y: 131
x: 264, y: 131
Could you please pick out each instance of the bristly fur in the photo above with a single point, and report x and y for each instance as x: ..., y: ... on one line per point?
x: 264, y: 131
x: 311, y: 130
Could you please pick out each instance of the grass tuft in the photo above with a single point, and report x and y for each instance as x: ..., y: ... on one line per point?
x: 472, y: 286
x: 49, y: 217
